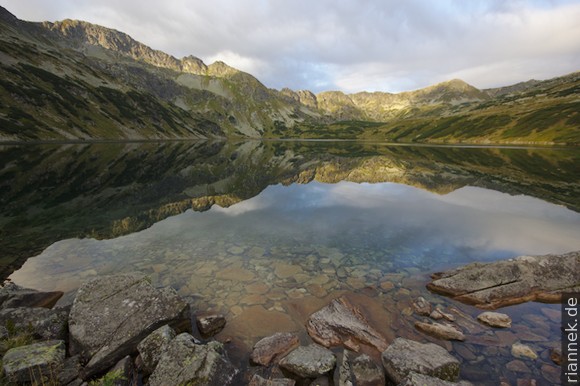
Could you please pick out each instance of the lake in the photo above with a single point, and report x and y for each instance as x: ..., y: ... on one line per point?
x: 269, y: 232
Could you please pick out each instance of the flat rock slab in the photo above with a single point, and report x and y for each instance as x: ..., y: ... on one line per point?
x: 441, y: 331
x: 274, y: 347
x: 342, y: 323
x: 404, y: 356
x: 110, y: 315
x: 360, y: 370
x: 416, y: 379
x: 14, y: 296
x: 49, y: 324
x: 185, y: 362
x: 495, y: 319
x: 525, y: 278
x: 27, y: 364
x: 309, y: 361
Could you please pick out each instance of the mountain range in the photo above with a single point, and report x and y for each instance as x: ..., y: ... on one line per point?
x: 73, y: 80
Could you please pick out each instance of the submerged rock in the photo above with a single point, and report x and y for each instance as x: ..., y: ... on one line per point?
x: 49, y: 324
x: 274, y: 347
x: 522, y: 351
x: 14, y: 296
x: 110, y: 315
x: 28, y: 364
x: 342, y: 323
x: 209, y: 325
x: 404, y: 356
x: 422, y: 306
x: 360, y: 371
x: 416, y: 379
x: 185, y: 362
x: 441, y: 331
x: 153, y: 345
x: 309, y: 361
x: 502, y: 283
x: 495, y: 319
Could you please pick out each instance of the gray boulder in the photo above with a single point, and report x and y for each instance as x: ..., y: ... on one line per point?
x: 150, y: 348
x: 126, y: 369
x: 342, y: 323
x: 274, y: 347
x: 14, y: 296
x: 416, y: 379
x: 49, y: 324
x: 503, y: 283
x: 185, y: 362
x: 360, y: 371
x: 495, y: 319
x: 404, y: 356
x: 209, y: 325
x: 440, y: 330
x: 309, y: 361
x: 110, y: 315
x: 35, y: 362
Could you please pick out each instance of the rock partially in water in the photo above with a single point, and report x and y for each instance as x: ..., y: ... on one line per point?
x: 110, y: 315
x: 259, y: 381
x: 495, y: 319
x: 153, y: 345
x: 339, y: 323
x: 556, y: 355
x: 209, y: 325
x: 28, y: 364
x: 404, y: 356
x: 522, y: 351
x: 185, y: 362
x: 422, y: 306
x: 270, y: 349
x: 514, y: 281
x: 309, y: 361
x: 416, y: 379
x: 14, y: 296
x: 49, y: 324
x: 360, y: 370
x: 441, y: 331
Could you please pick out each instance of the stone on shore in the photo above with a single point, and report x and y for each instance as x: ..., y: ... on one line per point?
x: 495, y: 319
x: 259, y: 381
x: 360, y: 370
x: 28, y: 364
x: 416, y: 379
x: 47, y: 324
x: 110, y: 315
x: 339, y: 323
x: 404, y: 356
x: 309, y: 361
x: 153, y: 345
x: 185, y: 362
x: 209, y: 325
x: 441, y: 331
x: 274, y: 347
x: 514, y: 281
x: 14, y: 296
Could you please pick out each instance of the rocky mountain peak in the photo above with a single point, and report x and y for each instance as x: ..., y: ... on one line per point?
x: 6, y: 16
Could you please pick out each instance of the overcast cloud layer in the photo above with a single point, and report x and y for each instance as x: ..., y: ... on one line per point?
x: 348, y: 45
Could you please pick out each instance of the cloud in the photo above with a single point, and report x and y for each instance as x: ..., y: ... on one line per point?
x: 351, y: 45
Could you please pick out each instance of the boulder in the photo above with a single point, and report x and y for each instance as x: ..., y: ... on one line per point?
x: 309, y: 361
x: 70, y: 370
x: 342, y: 323
x: 47, y: 324
x: 416, y: 379
x: 441, y: 331
x: 259, y: 381
x: 127, y: 374
x: 274, y: 347
x: 185, y: 362
x: 525, y: 278
x: 110, y: 315
x: 422, y: 306
x: 150, y: 348
x: 360, y: 371
x: 209, y: 325
x: 404, y: 356
x: 32, y: 363
x: 495, y: 319
x: 14, y: 296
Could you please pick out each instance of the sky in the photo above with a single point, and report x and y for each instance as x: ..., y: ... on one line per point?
x: 348, y: 45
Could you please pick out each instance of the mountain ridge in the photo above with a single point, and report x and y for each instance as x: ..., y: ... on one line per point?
x: 186, y: 98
